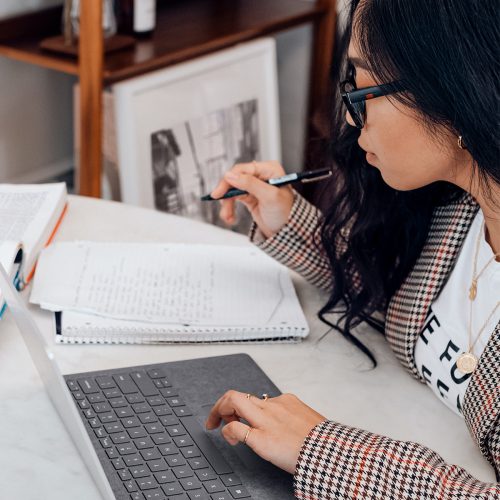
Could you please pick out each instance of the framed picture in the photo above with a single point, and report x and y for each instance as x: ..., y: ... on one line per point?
x: 179, y: 129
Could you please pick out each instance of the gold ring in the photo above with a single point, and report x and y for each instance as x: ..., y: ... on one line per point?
x: 248, y: 396
x: 247, y: 434
x: 265, y: 396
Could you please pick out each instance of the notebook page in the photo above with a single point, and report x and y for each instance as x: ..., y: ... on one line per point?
x: 162, y: 283
x: 27, y: 211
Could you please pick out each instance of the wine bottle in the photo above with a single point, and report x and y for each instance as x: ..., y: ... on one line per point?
x: 138, y: 17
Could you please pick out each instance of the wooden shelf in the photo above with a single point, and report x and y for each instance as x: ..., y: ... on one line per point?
x: 185, y: 29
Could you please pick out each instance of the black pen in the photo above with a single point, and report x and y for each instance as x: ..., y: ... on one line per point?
x: 308, y: 176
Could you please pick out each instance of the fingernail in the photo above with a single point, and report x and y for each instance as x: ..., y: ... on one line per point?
x: 232, y: 176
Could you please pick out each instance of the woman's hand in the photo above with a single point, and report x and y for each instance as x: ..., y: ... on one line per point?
x: 269, y: 206
x: 278, y: 425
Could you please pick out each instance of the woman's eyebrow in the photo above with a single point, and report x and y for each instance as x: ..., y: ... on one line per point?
x: 359, y: 63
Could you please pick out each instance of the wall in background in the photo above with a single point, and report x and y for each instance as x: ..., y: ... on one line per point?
x: 36, y: 139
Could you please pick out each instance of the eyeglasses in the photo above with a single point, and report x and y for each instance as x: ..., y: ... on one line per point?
x: 355, y: 98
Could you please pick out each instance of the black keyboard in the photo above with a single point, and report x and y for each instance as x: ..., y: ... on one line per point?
x: 157, y: 448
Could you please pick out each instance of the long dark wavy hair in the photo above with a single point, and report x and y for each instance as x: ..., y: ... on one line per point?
x: 446, y: 54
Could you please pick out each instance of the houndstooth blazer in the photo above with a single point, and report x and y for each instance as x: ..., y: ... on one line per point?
x: 337, y: 461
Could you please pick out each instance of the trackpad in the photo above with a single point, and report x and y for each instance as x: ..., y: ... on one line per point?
x: 248, y: 458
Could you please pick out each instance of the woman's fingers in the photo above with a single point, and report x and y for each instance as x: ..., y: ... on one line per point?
x: 235, y: 402
x: 236, y: 432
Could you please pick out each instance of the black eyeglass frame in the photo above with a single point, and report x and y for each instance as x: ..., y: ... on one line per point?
x: 355, y: 99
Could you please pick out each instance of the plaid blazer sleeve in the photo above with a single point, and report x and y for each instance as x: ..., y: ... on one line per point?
x: 297, y: 244
x: 337, y: 461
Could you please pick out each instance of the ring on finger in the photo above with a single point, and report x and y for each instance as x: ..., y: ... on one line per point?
x: 249, y: 430
x: 265, y: 396
x: 248, y: 395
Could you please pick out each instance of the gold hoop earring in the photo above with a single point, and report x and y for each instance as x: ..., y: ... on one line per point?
x: 460, y: 142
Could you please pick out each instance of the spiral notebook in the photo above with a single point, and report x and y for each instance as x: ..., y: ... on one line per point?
x: 153, y: 293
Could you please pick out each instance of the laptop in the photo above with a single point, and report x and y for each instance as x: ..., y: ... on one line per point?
x: 139, y: 429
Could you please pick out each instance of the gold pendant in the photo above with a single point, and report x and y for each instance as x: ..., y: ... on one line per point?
x: 467, y: 362
x: 473, y: 290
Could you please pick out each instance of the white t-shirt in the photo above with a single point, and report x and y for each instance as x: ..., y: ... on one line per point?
x: 445, y: 333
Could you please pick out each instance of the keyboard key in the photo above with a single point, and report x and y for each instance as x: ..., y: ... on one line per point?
x: 230, y: 479
x: 106, y: 442
x: 89, y: 413
x: 154, y: 495
x: 198, y: 463
x: 162, y: 410
x: 131, y: 422
x: 154, y: 428
x: 190, y: 483
x: 169, y: 392
x: 132, y: 460
x: 96, y: 398
x: 136, y: 432
x: 221, y: 496
x: 118, y: 463
x: 157, y: 465
x: 174, y: 460
x: 182, y: 471
x: 206, y: 446
x: 168, y: 449
x: 156, y: 401
x: 135, y: 398
x: 146, y: 483
x: 166, y: 382
x: 190, y: 452
x: 136, y: 496
x: 112, y: 453
x: 101, y: 407
x: 113, y: 428
x: 239, y: 492
x: 130, y: 486
x: 147, y: 418
x: 165, y: 476
x: 172, y: 488
x: 88, y: 386
x: 176, y: 430
x: 100, y: 433
x: 124, y: 475
x: 198, y: 495
x: 105, y: 382
x: 182, y: 441
x: 183, y: 411
x: 124, y: 382
x: 158, y: 383
x: 124, y: 412
x: 118, y: 402
x: 144, y: 384
x: 79, y: 395
x: 156, y: 373
x: 214, y: 486
x: 175, y: 402
x: 205, y: 474
x: 169, y: 420
x: 153, y: 454
x: 94, y: 422
x: 144, y: 443
x: 140, y: 471
x: 72, y: 385
x: 126, y: 449
x: 141, y: 408
x: 83, y: 404
x: 107, y: 417
x: 112, y: 393
x: 120, y: 438
x: 162, y: 438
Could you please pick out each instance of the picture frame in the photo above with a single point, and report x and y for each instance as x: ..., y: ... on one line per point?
x: 179, y: 129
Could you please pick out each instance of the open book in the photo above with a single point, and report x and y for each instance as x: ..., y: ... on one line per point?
x: 156, y: 292
x: 29, y: 217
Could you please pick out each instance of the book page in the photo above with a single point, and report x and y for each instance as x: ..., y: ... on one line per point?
x: 162, y: 283
x: 27, y: 213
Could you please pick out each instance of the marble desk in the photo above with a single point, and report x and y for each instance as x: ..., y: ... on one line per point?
x: 38, y: 460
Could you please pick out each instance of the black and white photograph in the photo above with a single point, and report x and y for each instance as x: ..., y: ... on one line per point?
x: 189, y: 159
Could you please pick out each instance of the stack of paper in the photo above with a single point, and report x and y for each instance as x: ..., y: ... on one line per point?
x: 135, y: 292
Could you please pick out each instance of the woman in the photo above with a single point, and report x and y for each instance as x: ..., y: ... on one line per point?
x: 412, y: 233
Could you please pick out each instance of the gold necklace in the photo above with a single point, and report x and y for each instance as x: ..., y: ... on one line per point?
x: 467, y: 361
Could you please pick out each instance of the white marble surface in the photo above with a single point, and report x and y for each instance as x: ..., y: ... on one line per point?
x: 37, y: 457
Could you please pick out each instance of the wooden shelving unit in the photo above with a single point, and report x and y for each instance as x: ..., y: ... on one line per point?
x: 185, y: 29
